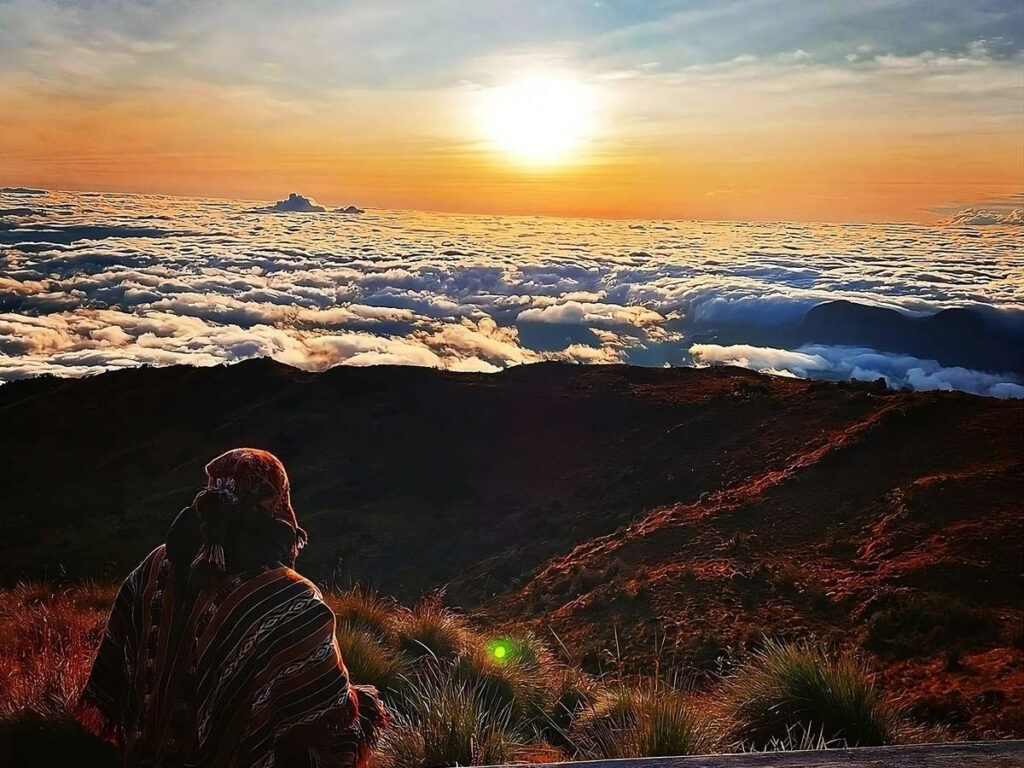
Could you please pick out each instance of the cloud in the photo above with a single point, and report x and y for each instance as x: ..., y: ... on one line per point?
x: 319, y: 352
x: 591, y: 315
x: 65, y: 234
x: 823, y: 362
x: 471, y: 294
x: 483, y: 340
x: 20, y: 212
x: 580, y: 353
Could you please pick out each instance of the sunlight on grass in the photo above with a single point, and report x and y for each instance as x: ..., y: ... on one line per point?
x: 800, y: 688
x: 461, y: 696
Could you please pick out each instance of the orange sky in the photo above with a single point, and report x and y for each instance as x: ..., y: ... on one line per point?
x: 786, y: 135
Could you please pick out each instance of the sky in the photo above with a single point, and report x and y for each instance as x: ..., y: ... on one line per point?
x: 875, y: 110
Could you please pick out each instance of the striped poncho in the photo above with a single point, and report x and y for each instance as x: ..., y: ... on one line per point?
x: 245, y: 674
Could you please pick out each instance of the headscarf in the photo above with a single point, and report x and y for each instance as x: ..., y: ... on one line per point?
x: 242, y: 519
x: 256, y: 478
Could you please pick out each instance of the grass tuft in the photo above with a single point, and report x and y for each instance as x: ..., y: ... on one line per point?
x: 430, y: 630
x: 519, y: 688
x: 798, y: 688
x: 444, y: 722
x: 370, y: 662
x: 646, y: 720
x: 573, y: 692
x: 363, y: 609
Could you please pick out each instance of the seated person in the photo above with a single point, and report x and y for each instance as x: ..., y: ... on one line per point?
x: 217, y: 653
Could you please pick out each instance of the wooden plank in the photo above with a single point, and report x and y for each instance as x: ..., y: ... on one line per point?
x: 988, y: 754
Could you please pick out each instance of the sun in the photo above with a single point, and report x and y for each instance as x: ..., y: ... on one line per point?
x: 538, y: 120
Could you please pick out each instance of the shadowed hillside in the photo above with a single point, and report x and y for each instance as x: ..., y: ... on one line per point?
x: 701, y: 507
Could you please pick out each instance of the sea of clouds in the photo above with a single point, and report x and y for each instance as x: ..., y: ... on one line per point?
x: 92, y: 282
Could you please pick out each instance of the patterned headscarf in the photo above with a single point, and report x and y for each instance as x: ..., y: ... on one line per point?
x: 243, y: 485
x: 256, y: 478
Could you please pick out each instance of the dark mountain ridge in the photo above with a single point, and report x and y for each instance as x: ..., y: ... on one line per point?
x: 979, y: 338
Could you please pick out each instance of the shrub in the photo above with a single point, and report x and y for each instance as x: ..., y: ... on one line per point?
x: 913, y: 624
x: 573, y: 692
x: 431, y: 630
x: 445, y: 722
x: 785, y: 689
x: 370, y: 662
x: 648, y: 720
x: 363, y: 609
x: 521, y: 689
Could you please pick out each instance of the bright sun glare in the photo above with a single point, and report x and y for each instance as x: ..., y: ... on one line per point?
x: 538, y: 120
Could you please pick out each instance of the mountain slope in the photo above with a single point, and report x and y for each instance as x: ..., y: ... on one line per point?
x: 614, y: 505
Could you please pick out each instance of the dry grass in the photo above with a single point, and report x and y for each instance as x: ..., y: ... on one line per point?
x: 462, y: 697
x: 649, y: 719
x: 431, y: 630
x: 48, y: 636
x: 800, y: 691
x: 363, y: 609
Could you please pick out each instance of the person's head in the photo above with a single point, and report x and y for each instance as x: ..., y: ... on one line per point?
x: 245, y: 513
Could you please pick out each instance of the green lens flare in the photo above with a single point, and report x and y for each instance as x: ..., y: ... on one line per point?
x: 501, y: 650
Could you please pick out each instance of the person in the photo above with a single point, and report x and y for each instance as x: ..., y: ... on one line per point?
x: 217, y: 653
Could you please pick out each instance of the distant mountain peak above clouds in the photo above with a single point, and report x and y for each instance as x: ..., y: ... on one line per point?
x: 296, y: 203
x: 978, y: 217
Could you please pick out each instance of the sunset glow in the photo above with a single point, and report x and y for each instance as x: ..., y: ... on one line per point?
x: 704, y: 110
x: 538, y: 120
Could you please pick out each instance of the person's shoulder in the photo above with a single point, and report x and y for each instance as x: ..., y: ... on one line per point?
x: 157, y: 556
x: 149, y: 564
x: 306, y: 597
x: 306, y: 587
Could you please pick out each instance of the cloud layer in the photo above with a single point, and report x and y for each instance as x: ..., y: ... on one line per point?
x: 821, y: 362
x: 92, y: 282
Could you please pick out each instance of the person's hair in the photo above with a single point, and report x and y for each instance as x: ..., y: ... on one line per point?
x: 216, y: 508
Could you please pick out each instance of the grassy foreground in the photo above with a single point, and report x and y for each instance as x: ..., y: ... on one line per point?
x: 462, y: 697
